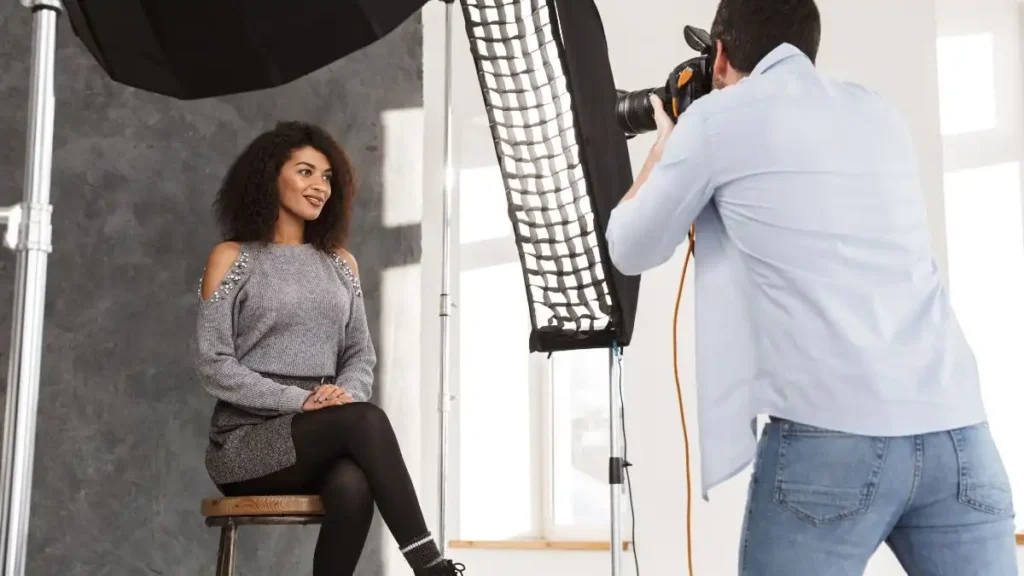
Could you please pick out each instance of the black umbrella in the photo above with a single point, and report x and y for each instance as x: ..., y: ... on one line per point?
x: 192, y: 49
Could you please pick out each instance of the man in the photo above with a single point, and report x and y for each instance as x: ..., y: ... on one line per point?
x: 819, y: 304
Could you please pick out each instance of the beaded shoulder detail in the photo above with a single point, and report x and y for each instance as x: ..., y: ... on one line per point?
x: 347, y: 271
x: 230, y: 280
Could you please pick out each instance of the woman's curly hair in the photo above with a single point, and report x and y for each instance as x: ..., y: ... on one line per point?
x: 247, y: 204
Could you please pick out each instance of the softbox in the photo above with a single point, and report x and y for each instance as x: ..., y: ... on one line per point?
x: 547, y: 85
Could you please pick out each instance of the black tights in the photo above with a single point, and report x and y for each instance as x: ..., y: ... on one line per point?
x: 350, y: 456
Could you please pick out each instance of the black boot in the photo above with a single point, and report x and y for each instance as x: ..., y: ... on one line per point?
x: 443, y: 568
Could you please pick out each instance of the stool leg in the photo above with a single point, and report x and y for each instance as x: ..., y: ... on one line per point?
x: 226, y: 554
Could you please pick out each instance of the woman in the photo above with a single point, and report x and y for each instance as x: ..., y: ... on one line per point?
x: 283, y: 345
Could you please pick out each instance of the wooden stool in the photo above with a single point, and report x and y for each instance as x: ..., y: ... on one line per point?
x: 230, y: 513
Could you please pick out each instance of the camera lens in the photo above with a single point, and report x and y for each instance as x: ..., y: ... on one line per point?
x: 635, y: 112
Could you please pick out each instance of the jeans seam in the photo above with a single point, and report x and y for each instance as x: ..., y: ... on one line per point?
x: 754, y: 480
x: 918, y: 467
x: 746, y: 528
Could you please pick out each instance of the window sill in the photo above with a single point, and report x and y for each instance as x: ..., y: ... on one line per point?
x: 579, y: 545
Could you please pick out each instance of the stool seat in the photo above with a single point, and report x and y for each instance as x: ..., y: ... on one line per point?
x: 230, y: 513
x: 263, y: 506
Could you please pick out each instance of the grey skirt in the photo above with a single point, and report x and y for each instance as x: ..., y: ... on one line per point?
x: 247, y: 444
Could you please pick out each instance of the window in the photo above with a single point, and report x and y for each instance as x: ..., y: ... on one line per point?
x: 496, y: 464
x: 967, y: 89
x: 580, y: 504
x: 532, y: 433
x: 986, y: 266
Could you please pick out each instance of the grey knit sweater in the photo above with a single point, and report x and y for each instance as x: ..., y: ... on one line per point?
x: 283, y: 319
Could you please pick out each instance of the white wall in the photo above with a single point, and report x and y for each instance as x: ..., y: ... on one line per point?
x: 889, y: 46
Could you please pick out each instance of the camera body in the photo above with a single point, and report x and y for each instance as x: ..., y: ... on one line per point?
x: 685, y: 84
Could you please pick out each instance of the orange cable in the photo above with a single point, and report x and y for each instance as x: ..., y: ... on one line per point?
x: 682, y: 412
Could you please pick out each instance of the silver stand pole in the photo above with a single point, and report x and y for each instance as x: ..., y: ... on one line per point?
x: 28, y: 234
x: 616, y: 463
x: 444, y: 396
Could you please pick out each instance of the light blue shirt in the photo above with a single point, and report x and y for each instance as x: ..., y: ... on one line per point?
x: 817, y: 295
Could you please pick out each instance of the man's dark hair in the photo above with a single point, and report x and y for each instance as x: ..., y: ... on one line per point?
x: 750, y: 29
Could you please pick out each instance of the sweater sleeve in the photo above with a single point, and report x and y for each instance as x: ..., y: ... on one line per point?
x: 220, y: 372
x: 357, y: 357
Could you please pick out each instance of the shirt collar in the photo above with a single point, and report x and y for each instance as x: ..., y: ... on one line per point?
x: 782, y: 52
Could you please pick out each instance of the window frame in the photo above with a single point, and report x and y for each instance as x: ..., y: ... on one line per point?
x: 476, y: 255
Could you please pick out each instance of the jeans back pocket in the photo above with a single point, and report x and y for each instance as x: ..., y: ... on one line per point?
x: 825, y: 476
x: 984, y: 483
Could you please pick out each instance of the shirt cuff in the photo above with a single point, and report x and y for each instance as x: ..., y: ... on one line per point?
x: 293, y: 398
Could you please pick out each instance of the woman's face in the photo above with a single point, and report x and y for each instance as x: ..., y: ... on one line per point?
x: 304, y: 184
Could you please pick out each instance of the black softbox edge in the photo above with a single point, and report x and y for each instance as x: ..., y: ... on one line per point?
x: 604, y: 155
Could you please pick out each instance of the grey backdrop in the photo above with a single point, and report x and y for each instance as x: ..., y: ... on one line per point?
x: 122, y: 422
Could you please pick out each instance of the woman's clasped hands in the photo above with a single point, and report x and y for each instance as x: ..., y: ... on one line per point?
x: 326, y: 395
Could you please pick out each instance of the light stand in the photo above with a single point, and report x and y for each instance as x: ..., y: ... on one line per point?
x: 444, y: 402
x: 28, y: 234
x: 616, y: 461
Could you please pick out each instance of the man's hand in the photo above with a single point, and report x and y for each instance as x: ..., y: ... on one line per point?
x: 664, y: 131
x: 664, y: 123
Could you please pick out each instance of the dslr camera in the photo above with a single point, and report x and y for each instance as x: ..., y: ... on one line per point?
x: 687, y: 82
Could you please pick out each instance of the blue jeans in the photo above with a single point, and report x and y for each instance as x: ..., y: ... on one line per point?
x: 822, y: 502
